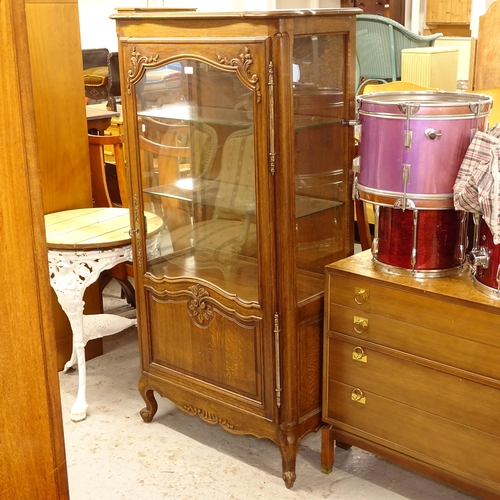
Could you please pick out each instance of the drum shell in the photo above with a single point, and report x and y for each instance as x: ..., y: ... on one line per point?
x: 434, y: 163
x: 439, y: 240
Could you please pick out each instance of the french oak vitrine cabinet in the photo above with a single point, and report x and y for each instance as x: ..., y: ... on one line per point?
x: 237, y: 135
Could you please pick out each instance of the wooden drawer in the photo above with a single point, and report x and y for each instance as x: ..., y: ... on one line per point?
x: 429, y: 392
x: 438, y: 441
x: 419, y: 309
x: 446, y: 348
x: 415, y: 385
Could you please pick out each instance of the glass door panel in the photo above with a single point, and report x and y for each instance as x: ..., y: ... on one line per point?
x: 320, y: 161
x: 196, y: 142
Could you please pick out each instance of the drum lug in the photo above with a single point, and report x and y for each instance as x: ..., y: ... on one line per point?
x: 356, y: 164
x: 479, y: 257
x: 404, y: 203
x: 357, y: 128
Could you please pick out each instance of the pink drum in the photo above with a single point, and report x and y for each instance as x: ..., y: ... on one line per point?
x: 485, y: 260
x: 420, y: 243
x: 412, y: 145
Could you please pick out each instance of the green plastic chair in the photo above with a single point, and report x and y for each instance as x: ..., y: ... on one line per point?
x: 379, y: 42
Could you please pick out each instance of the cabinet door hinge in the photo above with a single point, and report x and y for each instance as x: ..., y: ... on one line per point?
x: 272, y: 150
x: 277, y: 331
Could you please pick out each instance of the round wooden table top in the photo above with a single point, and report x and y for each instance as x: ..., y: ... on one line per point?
x: 91, y: 228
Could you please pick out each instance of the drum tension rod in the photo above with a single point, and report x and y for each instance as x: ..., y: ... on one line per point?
x: 415, y: 234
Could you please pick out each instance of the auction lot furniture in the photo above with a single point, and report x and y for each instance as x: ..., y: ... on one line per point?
x: 240, y: 140
x: 434, y: 67
x: 411, y: 373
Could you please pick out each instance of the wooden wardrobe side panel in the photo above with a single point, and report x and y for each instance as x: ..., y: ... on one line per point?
x: 61, y: 124
x: 32, y: 461
x: 57, y: 70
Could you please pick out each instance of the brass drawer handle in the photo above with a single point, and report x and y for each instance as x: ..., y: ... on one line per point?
x: 361, y: 295
x: 360, y: 324
x: 358, y: 354
x: 358, y: 396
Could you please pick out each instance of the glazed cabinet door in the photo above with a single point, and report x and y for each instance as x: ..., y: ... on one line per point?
x: 198, y: 113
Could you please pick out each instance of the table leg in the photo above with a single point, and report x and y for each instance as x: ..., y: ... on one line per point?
x: 71, y: 272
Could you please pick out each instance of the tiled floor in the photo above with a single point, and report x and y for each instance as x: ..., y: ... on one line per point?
x: 114, y: 455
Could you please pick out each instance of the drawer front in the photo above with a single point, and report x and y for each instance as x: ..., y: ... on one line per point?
x: 435, y: 440
x: 433, y: 391
x: 424, y: 311
x: 430, y: 344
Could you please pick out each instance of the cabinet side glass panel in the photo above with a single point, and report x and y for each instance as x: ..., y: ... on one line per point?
x: 196, y: 141
x: 320, y: 164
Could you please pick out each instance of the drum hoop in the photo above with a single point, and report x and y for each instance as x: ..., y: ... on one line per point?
x: 446, y: 99
x: 389, y: 198
x: 430, y: 273
x: 424, y: 117
x: 487, y: 290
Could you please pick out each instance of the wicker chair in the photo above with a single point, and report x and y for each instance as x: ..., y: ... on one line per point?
x: 379, y: 42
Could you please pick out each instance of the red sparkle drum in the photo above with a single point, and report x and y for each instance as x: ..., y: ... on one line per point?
x: 485, y: 260
x: 412, y: 145
x: 420, y: 243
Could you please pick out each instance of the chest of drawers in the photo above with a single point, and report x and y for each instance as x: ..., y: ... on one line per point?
x: 412, y: 373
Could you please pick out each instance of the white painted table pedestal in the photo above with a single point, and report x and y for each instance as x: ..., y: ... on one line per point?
x: 71, y: 272
x: 81, y: 244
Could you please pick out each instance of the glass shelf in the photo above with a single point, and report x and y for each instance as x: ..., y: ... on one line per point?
x: 224, y: 116
x: 200, y: 114
x: 203, y: 191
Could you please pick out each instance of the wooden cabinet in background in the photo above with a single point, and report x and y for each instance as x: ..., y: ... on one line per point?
x: 448, y: 11
x: 239, y: 140
x: 450, y: 17
x: 411, y: 373
x: 394, y: 9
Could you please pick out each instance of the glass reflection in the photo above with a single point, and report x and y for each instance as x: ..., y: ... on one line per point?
x: 198, y: 173
x: 318, y: 88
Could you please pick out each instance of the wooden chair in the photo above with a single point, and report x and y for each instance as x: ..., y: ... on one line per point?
x: 101, y: 190
x: 101, y: 194
x: 170, y: 152
x: 229, y: 231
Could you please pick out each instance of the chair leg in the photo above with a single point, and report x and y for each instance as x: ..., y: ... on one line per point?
x: 365, y: 237
x: 120, y: 274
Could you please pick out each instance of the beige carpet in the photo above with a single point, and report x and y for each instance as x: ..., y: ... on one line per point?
x: 114, y: 455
